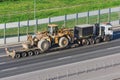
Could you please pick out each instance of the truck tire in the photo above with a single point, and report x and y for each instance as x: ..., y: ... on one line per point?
x: 106, y: 38
x: 63, y: 42
x: 92, y: 41
x: 85, y: 42
x: 97, y: 40
x: 43, y: 45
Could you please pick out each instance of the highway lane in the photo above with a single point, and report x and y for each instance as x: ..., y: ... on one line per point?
x: 9, y: 67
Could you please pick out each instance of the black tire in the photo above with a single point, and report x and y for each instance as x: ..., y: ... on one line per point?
x: 24, y: 54
x: 106, y: 38
x: 92, y: 41
x: 43, y: 45
x: 30, y: 53
x: 85, y: 42
x: 37, y: 52
x: 17, y: 55
x: 97, y: 40
x: 63, y: 42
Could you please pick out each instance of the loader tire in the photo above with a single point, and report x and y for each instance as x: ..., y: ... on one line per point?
x: 43, y: 45
x: 92, y: 41
x: 63, y: 42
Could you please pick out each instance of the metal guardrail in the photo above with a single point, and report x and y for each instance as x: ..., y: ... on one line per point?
x: 97, y: 16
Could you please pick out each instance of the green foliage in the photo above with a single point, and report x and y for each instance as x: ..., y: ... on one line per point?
x: 14, y: 10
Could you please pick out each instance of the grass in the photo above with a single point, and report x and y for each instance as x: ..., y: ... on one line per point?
x: 68, y: 24
x: 11, y: 11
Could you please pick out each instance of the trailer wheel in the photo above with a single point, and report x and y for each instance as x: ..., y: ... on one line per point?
x: 63, y: 42
x: 30, y: 53
x: 17, y: 55
x: 97, y: 40
x: 37, y: 52
x: 24, y: 54
x: 43, y: 45
x: 85, y: 42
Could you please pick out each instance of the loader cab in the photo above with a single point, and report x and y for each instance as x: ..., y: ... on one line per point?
x: 52, y: 29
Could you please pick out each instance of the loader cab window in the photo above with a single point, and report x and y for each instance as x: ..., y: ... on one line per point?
x: 52, y: 29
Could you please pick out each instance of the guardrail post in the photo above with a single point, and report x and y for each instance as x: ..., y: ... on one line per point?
x: 65, y: 21
x: 88, y: 15
x: 109, y: 15
x: 36, y: 25
x: 98, y: 16
x: 119, y: 21
x: 19, y: 31
x: 76, y: 18
x: 49, y: 20
x: 5, y: 33
x: 27, y: 27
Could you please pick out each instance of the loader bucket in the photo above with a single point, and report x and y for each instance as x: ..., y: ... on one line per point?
x: 10, y: 53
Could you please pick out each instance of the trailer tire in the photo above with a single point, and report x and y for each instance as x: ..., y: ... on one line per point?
x: 43, y: 45
x: 97, y: 40
x: 85, y: 42
x: 30, y: 53
x: 37, y: 52
x: 63, y: 42
x: 24, y: 54
x: 17, y: 55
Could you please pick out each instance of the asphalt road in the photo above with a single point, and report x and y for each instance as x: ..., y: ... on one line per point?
x: 11, y: 67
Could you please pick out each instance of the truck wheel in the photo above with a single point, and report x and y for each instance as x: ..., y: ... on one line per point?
x: 85, y: 42
x: 17, y: 55
x: 106, y: 38
x: 43, y: 45
x: 36, y: 52
x: 92, y: 41
x: 97, y: 40
x: 30, y: 53
x: 63, y: 42
x: 24, y: 54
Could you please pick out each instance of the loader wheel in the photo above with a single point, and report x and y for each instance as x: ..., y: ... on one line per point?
x: 36, y: 52
x: 43, y: 45
x: 85, y: 42
x: 17, y: 55
x: 24, y: 54
x: 30, y: 53
x: 63, y: 42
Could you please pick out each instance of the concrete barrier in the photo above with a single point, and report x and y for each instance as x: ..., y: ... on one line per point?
x: 103, y: 68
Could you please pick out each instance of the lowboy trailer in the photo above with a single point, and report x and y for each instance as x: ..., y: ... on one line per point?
x: 58, y: 39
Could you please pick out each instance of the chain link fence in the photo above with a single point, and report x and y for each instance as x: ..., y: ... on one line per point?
x: 22, y: 28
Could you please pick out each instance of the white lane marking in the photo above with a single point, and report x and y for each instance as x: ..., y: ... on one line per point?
x: 9, y: 69
x: 3, y: 63
x: 64, y: 58
x: 116, y: 47
x: 3, y: 55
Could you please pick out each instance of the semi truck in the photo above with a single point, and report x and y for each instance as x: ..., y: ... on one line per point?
x: 54, y: 38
